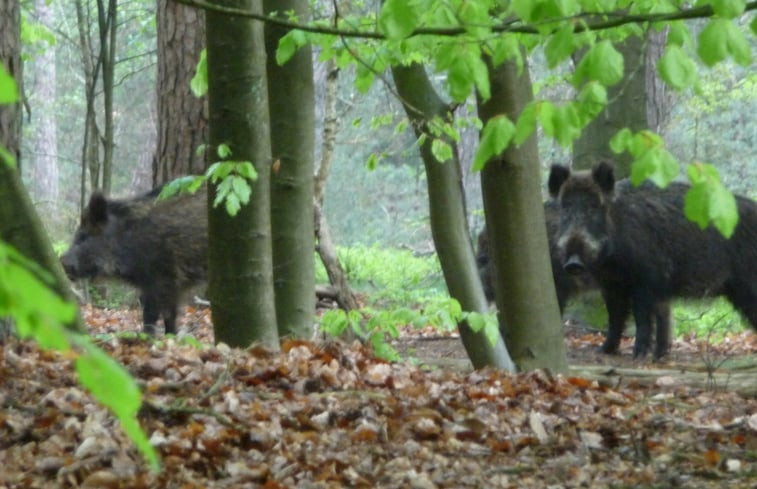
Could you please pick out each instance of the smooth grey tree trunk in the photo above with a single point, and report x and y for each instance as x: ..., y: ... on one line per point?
x: 449, y: 225
x: 292, y: 111
x: 240, y: 271
x: 511, y: 184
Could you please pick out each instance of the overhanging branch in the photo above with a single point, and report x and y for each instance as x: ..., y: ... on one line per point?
x: 508, y: 27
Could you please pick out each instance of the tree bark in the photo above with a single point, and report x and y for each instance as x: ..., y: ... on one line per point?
x: 627, y: 107
x: 44, y: 161
x: 326, y: 249
x: 528, y: 312
x: 90, y: 152
x: 182, y: 117
x: 240, y: 273
x: 449, y: 225
x: 292, y: 110
x: 10, y: 57
x: 108, y: 26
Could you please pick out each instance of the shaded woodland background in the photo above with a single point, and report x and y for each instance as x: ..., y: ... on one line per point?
x: 386, y: 206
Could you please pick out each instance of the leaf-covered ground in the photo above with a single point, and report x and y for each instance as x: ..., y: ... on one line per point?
x: 322, y: 415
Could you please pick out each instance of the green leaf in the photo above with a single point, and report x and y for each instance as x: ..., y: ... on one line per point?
x: 441, y: 150
x: 657, y: 165
x: 592, y: 100
x: 679, y: 34
x: 602, y: 63
x: 738, y: 46
x: 107, y: 380
x: 709, y: 201
x: 364, y: 79
x: 560, y: 45
x: 242, y: 189
x: 480, y: 74
x: 224, y: 151
x: 289, y: 44
x: 112, y: 386
x: 397, y: 19
x: 753, y: 25
x: 621, y: 141
x: 526, y: 124
x: 728, y: 8
x: 677, y: 69
x: 495, y: 137
x: 199, y: 82
x: 372, y: 162
x: 713, y: 42
x: 8, y: 87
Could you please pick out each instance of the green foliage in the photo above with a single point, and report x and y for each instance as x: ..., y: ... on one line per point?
x: 8, y: 87
x: 676, y: 68
x: 711, y: 319
x: 560, y: 27
x: 35, y: 37
x: 378, y: 327
x: 199, y: 82
x: 709, y: 201
x: 721, y: 38
x: 496, y: 136
x: 391, y: 277
x: 652, y: 160
x: 41, y: 314
x: 231, y: 177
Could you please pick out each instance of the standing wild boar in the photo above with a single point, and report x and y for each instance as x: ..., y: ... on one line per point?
x: 567, y: 285
x: 642, y: 251
x: 159, y: 247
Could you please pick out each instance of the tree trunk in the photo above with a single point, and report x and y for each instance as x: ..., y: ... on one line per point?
x: 19, y: 224
x: 108, y: 27
x: 511, y: 186
x: 182, y: 117
x: 91, y: 141
x: 44, y: 161
x: 240, y: 273
x: 10, y: 57
x: 627, y: 107
x: 449, y: 225
x: 326, y: 249
x: 292, y: 110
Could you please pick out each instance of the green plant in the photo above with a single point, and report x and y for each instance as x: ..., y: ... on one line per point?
x: 710, y: 318
x: 378, y: 327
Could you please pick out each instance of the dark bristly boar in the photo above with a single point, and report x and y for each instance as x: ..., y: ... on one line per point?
x: 642, y: 251
x: 567, y: 285
x: 159, y: 247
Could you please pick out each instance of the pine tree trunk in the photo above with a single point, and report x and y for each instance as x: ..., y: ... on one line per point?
x: 292, y: 109
x: 511, y: 184
x: 182, y: 117
x: 240, y: 270
x: 449, y: 225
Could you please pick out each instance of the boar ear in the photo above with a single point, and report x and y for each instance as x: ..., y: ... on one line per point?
x: 98, y: 209
x: 603, y: 175
x: 557, y: 176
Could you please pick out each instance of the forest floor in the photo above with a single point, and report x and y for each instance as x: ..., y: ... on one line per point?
x: 326, y: 414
